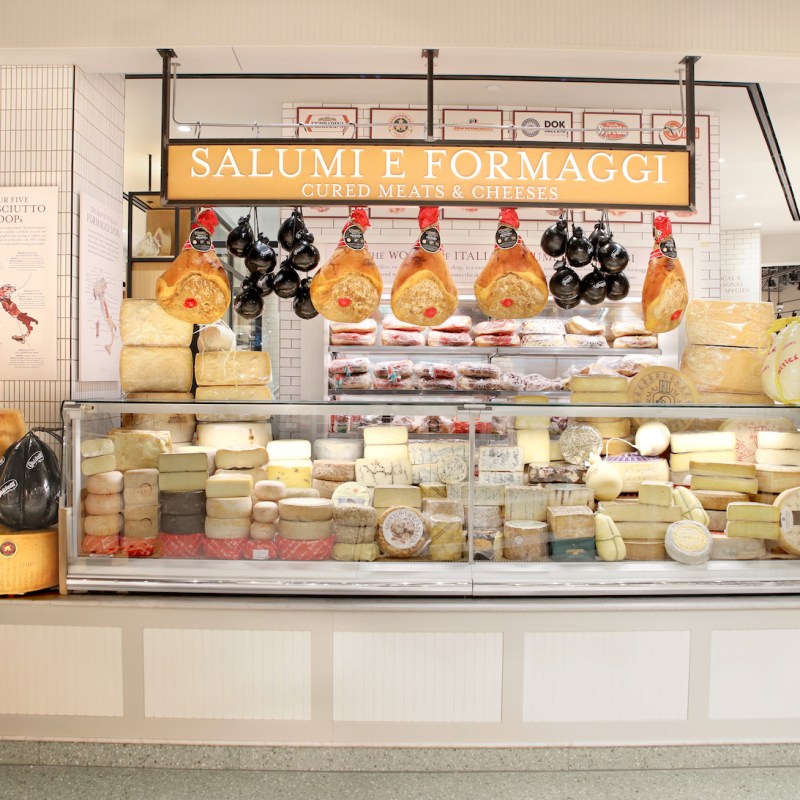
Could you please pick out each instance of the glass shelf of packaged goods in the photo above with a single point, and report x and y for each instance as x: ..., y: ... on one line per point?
x: 187, y: 563
x: 543, y: 567
x: 487, y: 352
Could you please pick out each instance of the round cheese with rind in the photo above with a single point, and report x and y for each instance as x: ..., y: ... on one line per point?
x: 688, y: 542
x: 99, y: 504
x: 228, y: 507
x: 306, y: 509
x: 305, y: 531
x: 102, y: 525
x: 236, y: 528
x: 401, y: 532
x: 789, y: 535
x: 580, y: 441
x: 263, y: 531
x: 265, y: 511
x: 270, y: 490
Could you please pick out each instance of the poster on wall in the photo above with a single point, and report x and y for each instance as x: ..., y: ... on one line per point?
x: 29, y: 283
x: 672, y: 131
x: 101, y: 268
x: 472, y: 124
x: 327, y: 123
x: 535, y: 125
x: 397, y: 123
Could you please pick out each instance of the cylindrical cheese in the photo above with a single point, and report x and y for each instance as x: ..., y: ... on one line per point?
x: 339, y: 449
x: 401, y: 532
x: 325, y: 488
x: 102, y: 525
x: 263, y: 531
x: 354, y: 534
x: 336, y: 471
x: 349, y: 514
x: 183, y: 503
x: 236, y: 528
x: 525, y: 540
x: 105, y: 483
x: 183, y: 523
x: 235, y: 368
x: 155, y: 369
x: 306, y: 509
x: 722, y: 322
x: 723, y: 369
x: 270, y: 490
x: 241, y: 457
x: 265, y: 511
x: 145, y: 323
x: 103, y: 503
x: 228, y: 507
x: 305, y: 531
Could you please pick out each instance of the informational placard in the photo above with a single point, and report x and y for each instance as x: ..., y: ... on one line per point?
x: 101, y: 268
x: 538, y: 125
x: 327, y: 123
x: 29, y: 283
x: 397, y: 123
x: 472, y: 124
x: 673, y: 131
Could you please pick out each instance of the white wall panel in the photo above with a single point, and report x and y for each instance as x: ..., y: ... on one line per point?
x: 606, y: 676
x: 417, y: 677
x: 227, y: 674
x: 61, y: 670
x: 753, y: 673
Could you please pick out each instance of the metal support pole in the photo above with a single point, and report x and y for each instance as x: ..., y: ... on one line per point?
x: 167, y: 54
x: 430, y: 55
x: 691, y: 130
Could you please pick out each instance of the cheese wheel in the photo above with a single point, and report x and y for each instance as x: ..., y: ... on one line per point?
x: 183, y: 503
x: 401, y: 532
x: 265, y: 511
x: 97, y: 447
x: 305, y: 531
x: 228, y: 507
x: 325, y: 488
x: 183, y: 524
x: 723, y: 369
x: 263, y: 531
x: 141, y: 522
x: 301, y: 491
x: 688, y: 542
x: 236, y: 368
x: 747, y: 431
x: 338, y: 449
x: 270, y: 490
x: 722, y: 322
x: 235, y: 528
x: 355, y: 515
x: 335, y: 471
x: 524, y: 540
x: 306, y: 509
x: 227, y: 485
x: 777, y: 479
x: 103, y: 525
x: 105, y: 483
x: 789, y: 536
x: 725, y: 548
x: 241, y: 457
x: 98, y: 464
x: 99, y: 504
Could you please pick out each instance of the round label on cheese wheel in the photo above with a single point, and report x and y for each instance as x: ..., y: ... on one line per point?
x: 789, y: 533
x: 351, y: 493
x: 663, y: 386
x: 401, y: 532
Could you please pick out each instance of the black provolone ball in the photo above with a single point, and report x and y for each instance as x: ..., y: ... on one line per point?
x: 565, y: 283
x: 305, y: 255
x: 261, y: 257
x: 617, y: 287
x: 241, y: 238
x: 599, y: 236
x: 286, y: 281
x: 265, y: 283
x: 248, y: 304
x: 554, y: 239
x: 248, y: 283
x: 290, y: 230
x: 569, y: 303
x: 302, y: 305
x: 613, y: 257
x: 593, y: 287
x: 579, y: 249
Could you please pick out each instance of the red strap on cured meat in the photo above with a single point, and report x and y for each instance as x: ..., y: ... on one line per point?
x: 317, y: 550
x: 358, y: 216
x: 182, y: 545
x: 206, y: 219
x: 509, y: 216
x: 428, y: 215
x: 662, y: 228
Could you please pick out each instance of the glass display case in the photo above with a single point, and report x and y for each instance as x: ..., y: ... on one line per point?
x: 506, y: 501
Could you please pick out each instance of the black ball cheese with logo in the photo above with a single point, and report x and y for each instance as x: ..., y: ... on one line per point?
x: 30, y: 485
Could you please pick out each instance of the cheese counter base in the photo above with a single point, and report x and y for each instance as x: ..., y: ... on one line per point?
x: 397, y: 673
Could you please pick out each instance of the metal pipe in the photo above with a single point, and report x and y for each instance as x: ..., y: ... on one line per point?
x: 167, y: 54
x: 689, y: 62
x: 430, y: 55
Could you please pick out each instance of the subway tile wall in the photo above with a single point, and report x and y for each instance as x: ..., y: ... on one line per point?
x: 61, y: 127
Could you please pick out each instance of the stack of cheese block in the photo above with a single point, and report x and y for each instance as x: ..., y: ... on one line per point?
x: 156, y: 364
x: 250, y: 460
x: 386, y: 497
x: 445, y: 528
x: 643, y: 524
x: 289, y: 461
x: 141, y: 512
x: 532, y: 435
x: 264, y: 527
x: 778, y: 449
x: 599, y: 390
x: 305, y: 529
x: 435, y: 464
x: 327, y: 475
x: 616, y: 433
x: 223, y: 375
x: 725, y: 350
x: 700, y: 446
x: 101, y: 518
x: 753, y: 521
x: 354, y: 529
x: 723, y: 476
x: 500, y: 464
x: 386, y: 459
x: 229, y: 506
x: 182, y: 494
x: 571, y: 533
x: 490, y: 499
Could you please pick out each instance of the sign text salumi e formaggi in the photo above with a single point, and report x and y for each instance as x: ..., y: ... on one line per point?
x: 367, y: 173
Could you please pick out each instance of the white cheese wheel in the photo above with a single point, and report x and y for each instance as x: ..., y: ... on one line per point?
x: 789, y: 504
x: 298, y: 530
x: 265, y: 511
x: 98, y: 464
x: 325, y: 488
x: 235, y: 368
x: 401, y: 532
x: 139, y: 449
x: 338, y: 449
x: 236, y: 528
x: 334, y: 470
x: 227, y: 485
x: 355, y: 516
x: 216, y: 337
x: 724, y: 369
x: 155, y: 369
x: 241, y: 457
x: 725, y: 548
x: 228, y: 507
x: 289, y: 450
x: 270, y: 490
x: 97, y: 447
x: 145, y: 323
x: 688, y: 542
x: 306, y: 509
x: 103, y: 525
x: 233, y: 434
x: 105, y: 482
x: 263, y: 531
x: 297, y: 491
x: 99, y: 504
x: 580, y: 441
x: 385, y: 434
x: 722, y: 322
x: 524, y: 540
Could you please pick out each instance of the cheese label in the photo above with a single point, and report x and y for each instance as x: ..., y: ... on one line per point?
x: 351, y: 494
x: 662, y: 386
x: 402, y: 529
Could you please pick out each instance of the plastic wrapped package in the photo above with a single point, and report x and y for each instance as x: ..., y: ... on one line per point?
x: 224, y: 549
x: 99, y: 545
x: 487, y: 545
x: 479, y: 385
x: 353, y: 339
x: 366, y: 326
x: 478, y: 369
x: 539, y: 383
x: 433, y: 506
x: 543, y: 325
x: 140, y: 546
x: 384, y: 384
x: 446, y: 535
x: 430, y: 371
x: 499, y: 340
x: 339, y: 383
x: 436, y: 385
x: 394, y: 370
x: 449, y: 339
x: 458, y: 323
x: 349, y: 366
x: 495, y: 327
x: 433, y: 424
x: 636, y: 342
x: 391, y: 323
x: 298, y: 550
x: 722, y: 322
x: 393, y: 338
x: 182, y: 545
x: 513, y: 381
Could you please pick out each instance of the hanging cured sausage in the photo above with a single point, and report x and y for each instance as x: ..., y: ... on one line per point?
x: 664, y: 294
x: 348, y: 287
x: 424, y: 292
x: 512, y: 284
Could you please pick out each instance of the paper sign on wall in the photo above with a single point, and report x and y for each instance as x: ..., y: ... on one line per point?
x: 29, y: 283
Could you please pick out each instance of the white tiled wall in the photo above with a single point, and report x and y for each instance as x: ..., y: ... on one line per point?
x: 61, y: 127
x: 740, y: 264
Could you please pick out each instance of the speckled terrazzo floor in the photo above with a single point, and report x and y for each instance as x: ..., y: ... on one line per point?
x: 124, y: 783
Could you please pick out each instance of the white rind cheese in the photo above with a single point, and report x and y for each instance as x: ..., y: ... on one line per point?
x: 98, y: 464
x: 305, y: 509
x: 236, y: 368
x: 289, y: 450
x: 241, y: 457
x: 145, y: 323
x: 111, y: 482
x: 228, y: 507
x: 90, y: 448
x: 688, y: 542
x: 155, y: 369
x: 233, y: 434
x: 338, y: 449
x: 385, y: 434
x: 227, y: 485
x: 370, y: 472
x: 265, y: 511
x: 723, y: 548
x: 238, y: 528
x: 300, y: 531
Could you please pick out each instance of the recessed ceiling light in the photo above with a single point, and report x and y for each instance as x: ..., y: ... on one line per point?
x: 740, y: 196
x: 493, y: 87
x: 721, y: 160
x: 185, y: 128
x: 756, y: 224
